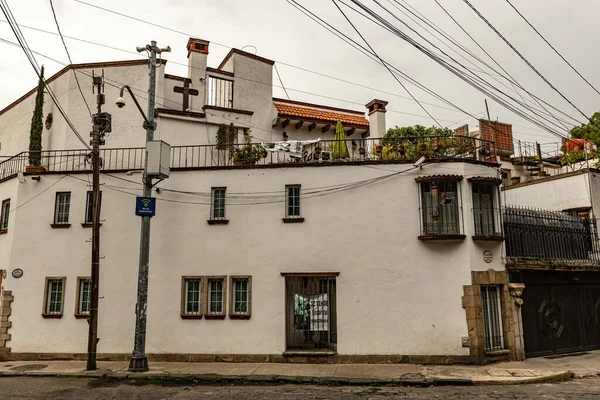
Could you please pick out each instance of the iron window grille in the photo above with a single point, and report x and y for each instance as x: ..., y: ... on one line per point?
x: 311, y: 313
x: 220, y: 92
x: 191, y: 304
x: 491, y: 297
x: 89, y: 207
x: 54, y: 297
x: 4, y: 214
x: 486, y: 216
x: 292, y: 201
x: 61, y: 208
x: 84, y: 296
x: 217, y: 211
x: 440, y: 208
x: 216, y: 292
x: 240, y: 297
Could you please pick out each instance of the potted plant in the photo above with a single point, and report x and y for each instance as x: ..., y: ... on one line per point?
x: 35, y: 134
x: 378, y: 149
x: 248, y: 154
x: 226, y: 136
x: 318, y: 150
x: 325, y: 156
x: 515, y: 179
x: 422, y: 147
x: 436, y: 145
x: 362, y: 151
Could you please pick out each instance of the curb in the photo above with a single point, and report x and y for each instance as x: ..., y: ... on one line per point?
x: 215, y: 379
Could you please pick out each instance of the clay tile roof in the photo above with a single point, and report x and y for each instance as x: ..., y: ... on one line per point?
x: 489, y: 179
x: 435, y: 178
x: 322, y: 114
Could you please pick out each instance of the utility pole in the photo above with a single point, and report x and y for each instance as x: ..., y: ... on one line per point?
x: 139, y: 362
x: 102, y: 122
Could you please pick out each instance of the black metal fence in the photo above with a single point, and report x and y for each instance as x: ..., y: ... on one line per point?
x: 550, y: 237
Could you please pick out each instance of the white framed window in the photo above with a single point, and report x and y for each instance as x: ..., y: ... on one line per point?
x: 83, y: 300
x: 89, y: 207
x: 292, y: 201
x: 240, y: 298
x: 191, y: 297
x: 491, y: 298
x: 217, y: 211
x: 54, y: 297
x: 61, y: 208
x: 4, y: 213
x: 441, y: 210
x: 216, y: 292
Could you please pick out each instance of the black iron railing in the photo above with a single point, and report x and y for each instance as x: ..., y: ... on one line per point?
x: 549, y: 237
x: 441, y: 220
x: 208, y: 156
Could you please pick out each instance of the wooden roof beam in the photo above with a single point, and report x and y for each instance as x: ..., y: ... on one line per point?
x: 326, y: 128
x: 312, y: 126
x: 351, y: 131
x: 285, y: 123
x: 299, y: 124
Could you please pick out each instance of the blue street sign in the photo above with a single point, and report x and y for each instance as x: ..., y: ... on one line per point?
x: 145, y: 206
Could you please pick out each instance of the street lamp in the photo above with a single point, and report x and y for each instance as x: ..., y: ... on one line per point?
x: 139, y: 361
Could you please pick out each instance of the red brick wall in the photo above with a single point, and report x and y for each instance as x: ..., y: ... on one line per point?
x: 499, y: 133
x: 462, y: 130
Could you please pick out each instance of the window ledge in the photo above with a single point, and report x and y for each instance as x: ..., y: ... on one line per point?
x: 217, y: 221
x: 52, y: 315
x: 488, y: 238
x: 60, y: 226
x: 292, y: 220
x: 3, y: 231
x: 191, y: 316
x: 239, y: 316
x: 431, y: 238
x: 88, y: 224
x: 82, y: 316
x: 497, y: 352
x: 324, y: 353
x: 215, y: 316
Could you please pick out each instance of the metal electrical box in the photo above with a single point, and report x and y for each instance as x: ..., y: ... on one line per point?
x: 159, y: 159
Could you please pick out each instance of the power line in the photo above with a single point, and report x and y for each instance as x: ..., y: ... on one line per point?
x: 552, y: 47
x: 30, y: 57
x: 280, y: 81
x: 522, y: 57
x: 69, y: 56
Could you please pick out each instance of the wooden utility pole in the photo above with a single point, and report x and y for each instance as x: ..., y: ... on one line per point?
x: 102, y: 122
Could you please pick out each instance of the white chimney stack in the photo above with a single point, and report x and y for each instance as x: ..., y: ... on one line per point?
x: 377, y: 112
x: 197, y: 63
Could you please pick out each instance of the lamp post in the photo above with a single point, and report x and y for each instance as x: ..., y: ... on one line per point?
x: 139, y: 362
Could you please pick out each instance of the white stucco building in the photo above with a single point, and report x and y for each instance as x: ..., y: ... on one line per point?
x: 354, y: 256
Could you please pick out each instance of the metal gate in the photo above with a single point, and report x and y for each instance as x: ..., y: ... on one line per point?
x: 311, y: 318
x: 561, y: 311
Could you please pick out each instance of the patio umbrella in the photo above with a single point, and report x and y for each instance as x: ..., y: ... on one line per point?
x: 339, y: 147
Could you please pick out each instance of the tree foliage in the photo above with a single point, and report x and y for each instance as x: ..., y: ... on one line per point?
x: 417, y: 131
x: 589, y: 131
x: 37, y: 126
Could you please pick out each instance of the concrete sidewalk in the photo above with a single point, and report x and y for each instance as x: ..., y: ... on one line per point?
x: 535, y: 370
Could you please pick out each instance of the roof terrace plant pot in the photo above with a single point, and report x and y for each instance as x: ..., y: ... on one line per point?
x: 378, y: 149
x: 362, y: 151
x: 35, y: 169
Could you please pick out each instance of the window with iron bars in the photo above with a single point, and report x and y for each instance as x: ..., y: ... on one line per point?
x: 4, y: 214
x: 54, y: 297
x: 440, y: 208
x: 240, y: 301
x: 217, y: 203
x: 191, y: 297
x: 484, y: 210
x: 491, y: 297
x: 215, y: 299
x: 220, y: 92
x: 292, y: 201
x: 61, y: 208
x: 84, y: 296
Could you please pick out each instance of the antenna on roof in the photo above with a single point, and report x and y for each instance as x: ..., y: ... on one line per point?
x: 249, y: 45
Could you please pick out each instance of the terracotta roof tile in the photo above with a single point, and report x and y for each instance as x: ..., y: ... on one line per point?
x: 442, y: 177
x: 320, y: 114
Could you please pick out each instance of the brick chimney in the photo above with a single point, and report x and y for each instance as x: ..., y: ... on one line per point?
x: 197, y: 62
x: 377, y: 112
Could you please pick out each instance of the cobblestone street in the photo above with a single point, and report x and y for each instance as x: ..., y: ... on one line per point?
x: 66, y: 388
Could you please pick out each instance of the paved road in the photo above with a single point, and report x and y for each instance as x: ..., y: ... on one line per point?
x: 64, y: 388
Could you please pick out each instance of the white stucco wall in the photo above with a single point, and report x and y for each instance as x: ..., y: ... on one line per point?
x: 555, y: 194
x: 8, y: 190
x: 395, y: 294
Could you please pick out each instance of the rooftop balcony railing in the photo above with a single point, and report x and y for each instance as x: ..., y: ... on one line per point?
x: 405, y: 149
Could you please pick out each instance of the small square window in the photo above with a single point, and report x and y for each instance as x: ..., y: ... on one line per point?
x: 61, y: 208
x: 217, y: 203
x: 292, y: 201
x: 89, y: 207
x: 84, y: 297
x: 215, y: 299
x: 54, y: 296
x: 4, y: 214
x: 240, y: 300
x: 191, y: 295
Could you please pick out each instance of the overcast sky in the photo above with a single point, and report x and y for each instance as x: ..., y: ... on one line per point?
x: 281, y: 33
